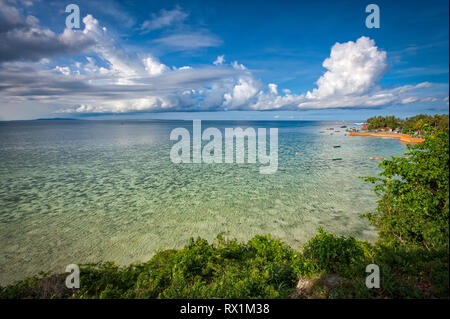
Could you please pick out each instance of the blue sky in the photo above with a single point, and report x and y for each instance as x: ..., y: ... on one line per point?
x: 229, y: 59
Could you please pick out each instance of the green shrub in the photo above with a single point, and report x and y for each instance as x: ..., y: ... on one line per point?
x: 331, y: 253
x: 414, y: 195
x: 262, y: 268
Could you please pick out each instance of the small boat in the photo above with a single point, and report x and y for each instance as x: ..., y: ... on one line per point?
x: 336, y: 146
x: 298, y: 153
x: 376, y: 158
x: 337, y: 159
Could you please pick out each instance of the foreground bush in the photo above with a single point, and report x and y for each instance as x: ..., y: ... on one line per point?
x: 414, y: 195
x: 261, y: 268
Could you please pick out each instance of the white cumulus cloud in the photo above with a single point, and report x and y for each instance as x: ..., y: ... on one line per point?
x: 273, y: 88
x: 220, y: 60
x: 353, y: 68
x: 153, y: 66
x: 242, y: 93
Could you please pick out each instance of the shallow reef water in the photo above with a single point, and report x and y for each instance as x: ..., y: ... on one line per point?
x: 86, y: 191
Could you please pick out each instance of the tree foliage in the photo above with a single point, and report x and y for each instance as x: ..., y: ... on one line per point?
x: 382, y: 122
x: 422, y: 123
x: 414, y: 191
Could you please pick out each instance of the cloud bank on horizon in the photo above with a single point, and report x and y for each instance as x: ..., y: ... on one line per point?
x: 111, y: 79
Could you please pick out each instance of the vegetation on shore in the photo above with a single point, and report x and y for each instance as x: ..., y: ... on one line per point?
x: 412, y: 251
x: 422, y: 124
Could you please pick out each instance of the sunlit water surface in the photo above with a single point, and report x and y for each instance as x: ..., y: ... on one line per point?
x: 85, y: 191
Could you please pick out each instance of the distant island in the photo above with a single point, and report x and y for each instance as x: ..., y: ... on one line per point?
x: 56, y: 119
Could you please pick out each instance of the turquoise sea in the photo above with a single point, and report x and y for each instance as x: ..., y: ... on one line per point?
x: 85, y: 191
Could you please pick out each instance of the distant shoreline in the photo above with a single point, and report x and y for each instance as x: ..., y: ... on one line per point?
x: 403, y: 137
